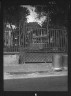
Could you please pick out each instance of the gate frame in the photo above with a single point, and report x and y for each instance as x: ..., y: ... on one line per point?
x: 23, y: 50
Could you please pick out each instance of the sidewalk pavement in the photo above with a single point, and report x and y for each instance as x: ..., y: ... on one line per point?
x: 34, y: 75
x: 28, y: 67
x: 31, y: 71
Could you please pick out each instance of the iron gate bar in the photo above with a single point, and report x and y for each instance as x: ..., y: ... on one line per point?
x: 62, y: 43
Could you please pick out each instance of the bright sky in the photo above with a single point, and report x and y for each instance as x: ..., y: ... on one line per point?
x: 33, y: 16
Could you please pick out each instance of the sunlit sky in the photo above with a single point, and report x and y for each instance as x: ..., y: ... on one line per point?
x: 33, y: 16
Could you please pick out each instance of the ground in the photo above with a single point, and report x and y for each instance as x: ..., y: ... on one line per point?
x: 34, y: 77
x: 58, y: 83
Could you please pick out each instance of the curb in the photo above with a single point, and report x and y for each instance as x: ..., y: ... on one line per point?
x: 34, y: 75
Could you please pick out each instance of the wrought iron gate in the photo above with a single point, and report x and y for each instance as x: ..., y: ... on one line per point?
x: 38, y: 44
x: 34, y: 43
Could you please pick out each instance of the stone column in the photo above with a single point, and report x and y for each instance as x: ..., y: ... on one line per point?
x: 57, y: 62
